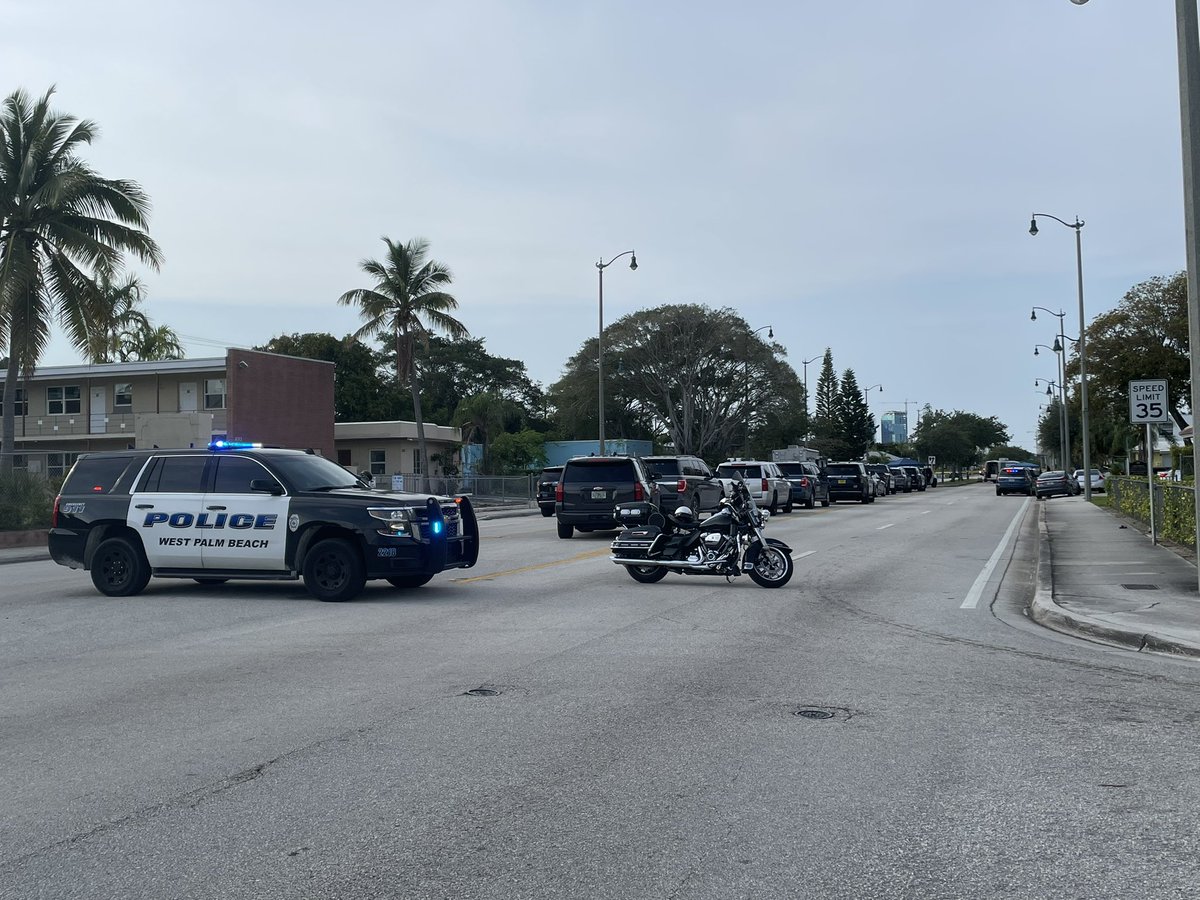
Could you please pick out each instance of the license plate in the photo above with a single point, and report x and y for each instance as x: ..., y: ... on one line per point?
x: 841, y: 481
x: 599, y: 495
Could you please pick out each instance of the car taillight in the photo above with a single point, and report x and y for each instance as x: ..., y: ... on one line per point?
x: 682, y: 486
x: 558, y: 492
x: 803, y: 482
x: 765, y: 488
x: 54, y: 514
x: 638, y: 493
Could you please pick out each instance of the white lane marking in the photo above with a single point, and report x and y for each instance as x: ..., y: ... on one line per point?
x: 976, y: 590
x: 888, y: 525
x: 804, y: 554
x: 924, y: 512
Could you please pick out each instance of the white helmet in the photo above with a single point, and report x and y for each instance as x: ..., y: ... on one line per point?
x: 684, y: 514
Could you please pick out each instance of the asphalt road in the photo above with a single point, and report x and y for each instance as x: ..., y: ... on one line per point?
x: 643, y: 741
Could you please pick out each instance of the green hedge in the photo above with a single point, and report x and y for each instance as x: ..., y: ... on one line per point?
x: 1174, y: 509
x: 26, y: 501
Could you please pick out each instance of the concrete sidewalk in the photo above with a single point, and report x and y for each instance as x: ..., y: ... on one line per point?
x: 1099, y: 577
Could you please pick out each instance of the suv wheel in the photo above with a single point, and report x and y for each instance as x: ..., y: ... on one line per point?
x: 119, y: 568
x: 333, y: 571
x: 565, y: 530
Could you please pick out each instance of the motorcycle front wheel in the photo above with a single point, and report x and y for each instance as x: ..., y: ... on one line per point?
x: 646, y: 574
x: 773, y: 568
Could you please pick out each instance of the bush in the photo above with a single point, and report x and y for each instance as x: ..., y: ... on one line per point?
x: 26, y: 501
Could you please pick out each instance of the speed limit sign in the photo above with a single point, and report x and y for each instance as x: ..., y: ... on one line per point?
x: 1148, y: 402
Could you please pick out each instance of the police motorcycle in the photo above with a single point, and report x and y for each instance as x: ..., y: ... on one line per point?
x: 730, y: 542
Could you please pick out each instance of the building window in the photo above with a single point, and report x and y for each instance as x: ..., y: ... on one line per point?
x: 417, y: 468
x: 123, y: 395
x: 344, y: 457
x: 214, y: 393
x: 57, y: 464
x: 61, y: 401
x: 378, y: 462
x: 20, y: 461
x: 20, y: 403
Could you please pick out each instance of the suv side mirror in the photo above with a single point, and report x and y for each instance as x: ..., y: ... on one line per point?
x: 268, y: 485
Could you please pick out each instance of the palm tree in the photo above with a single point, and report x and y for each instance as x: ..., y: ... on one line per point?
x: 118, y: 316
x: 407, y: 303
x: 61, y: 224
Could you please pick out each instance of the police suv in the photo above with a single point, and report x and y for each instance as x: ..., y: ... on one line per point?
x: 238, y: 510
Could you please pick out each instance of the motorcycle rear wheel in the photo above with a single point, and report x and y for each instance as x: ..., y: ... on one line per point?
x: 773, y: 568
x: 646, y: 574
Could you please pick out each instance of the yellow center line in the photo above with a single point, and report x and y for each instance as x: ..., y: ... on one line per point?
x: 590, y: 554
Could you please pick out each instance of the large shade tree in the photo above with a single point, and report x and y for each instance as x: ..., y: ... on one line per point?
x: 407, y: 303
x: 683, y: 374
x: 61, y: 224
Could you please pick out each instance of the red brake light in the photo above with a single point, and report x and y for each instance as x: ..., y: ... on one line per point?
x: 638, y: 493
x: 558, y: 492
x: 803, y: 482
x: 682, y: 486
x: 54, y: 514
x: 765, y: 487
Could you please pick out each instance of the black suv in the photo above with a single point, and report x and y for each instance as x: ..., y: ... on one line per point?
x: 808, y: 485
x: 592, y: 486
x: 849, y: 481
x: 241, y: 511
x: 684, y: 481
x: 546, y: 484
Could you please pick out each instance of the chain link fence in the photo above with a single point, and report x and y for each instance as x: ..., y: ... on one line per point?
x: 1174, y: 506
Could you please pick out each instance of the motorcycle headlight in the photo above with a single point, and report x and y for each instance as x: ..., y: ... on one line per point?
x: 398, y: 519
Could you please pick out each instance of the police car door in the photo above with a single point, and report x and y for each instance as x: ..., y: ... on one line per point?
x: 245, y: 528
x: 163, y: 509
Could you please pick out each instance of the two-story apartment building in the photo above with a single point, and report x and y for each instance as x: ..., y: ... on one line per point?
x: 62, y: 411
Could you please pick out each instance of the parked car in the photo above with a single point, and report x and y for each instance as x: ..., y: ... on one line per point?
x: 766, y: 482
x: 849, y: 481
x: 930, y: 477
x: 889, y: 479
x: 1051, y: 484
x: 915, y: 478
x: 684, y: 481
x: 900, y: 479
x: 546, y: 484
x: 1016, y: 480
x: 1097, y: 480
x: 591, y: 486
x: 808, y: 483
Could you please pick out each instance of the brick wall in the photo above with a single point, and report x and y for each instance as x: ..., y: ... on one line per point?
x: 283, y: 401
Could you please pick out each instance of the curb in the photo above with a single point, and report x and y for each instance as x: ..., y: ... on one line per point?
x: 1049, y: 614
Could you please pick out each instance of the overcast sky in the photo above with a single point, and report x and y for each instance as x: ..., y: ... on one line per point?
x: 858, y: 175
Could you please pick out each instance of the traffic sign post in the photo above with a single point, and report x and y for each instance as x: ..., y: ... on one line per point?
x: 1148, y: 406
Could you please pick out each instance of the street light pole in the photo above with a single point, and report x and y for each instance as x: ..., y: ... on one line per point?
x: 770, y: 329
x: 1083, y: 386
x: 601, y: 266
x: 805, y: 362
x: 1064, y: 440
x: 867, y: 404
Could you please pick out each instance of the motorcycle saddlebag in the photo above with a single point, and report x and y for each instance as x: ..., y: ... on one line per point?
x: 641, y: 542
x: 637, y: 513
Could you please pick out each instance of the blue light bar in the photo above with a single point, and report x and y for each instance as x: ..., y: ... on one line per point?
x: 233, y: 445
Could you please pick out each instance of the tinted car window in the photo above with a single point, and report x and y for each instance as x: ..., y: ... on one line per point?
x: 726, y: 470
x: 95, y: 476
x: 310, y: 473
x: 661, y: 468
x: 234, y: 474
x: 835, y: 469
x: 608, y: 471
x: 176, y: 474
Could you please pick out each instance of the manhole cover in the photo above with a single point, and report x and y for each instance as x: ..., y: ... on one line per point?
x: 814, y: 714
x: 1140, y: 587
x: 481, y: 692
